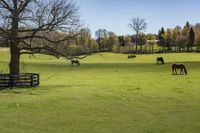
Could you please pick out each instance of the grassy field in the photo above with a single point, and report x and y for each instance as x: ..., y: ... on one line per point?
x: 106, y: 94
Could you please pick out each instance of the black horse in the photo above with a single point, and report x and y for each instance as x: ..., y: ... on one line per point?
x: 160, y: 60
x: 182, y: 68
x: 76, y: 62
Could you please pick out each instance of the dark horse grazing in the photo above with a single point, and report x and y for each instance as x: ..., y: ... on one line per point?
x: 160, y: 60
x: 75, y: 62
x: 182, y: 68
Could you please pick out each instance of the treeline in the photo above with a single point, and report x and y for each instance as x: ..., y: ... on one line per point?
x: 178, y: 39
x: 106, y: 41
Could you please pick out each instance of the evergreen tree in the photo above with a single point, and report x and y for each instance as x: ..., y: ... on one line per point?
x: 121, y: 41
x: 161, y: 38
x: 187, y: 25
x: 191, y: 39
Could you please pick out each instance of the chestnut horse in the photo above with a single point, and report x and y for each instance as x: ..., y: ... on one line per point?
x: 182, y: 68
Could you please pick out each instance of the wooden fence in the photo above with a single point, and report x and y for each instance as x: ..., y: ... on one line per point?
x: 21, y: 80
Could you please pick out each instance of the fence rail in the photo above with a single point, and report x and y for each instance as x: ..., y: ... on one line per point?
x: 21, y: 80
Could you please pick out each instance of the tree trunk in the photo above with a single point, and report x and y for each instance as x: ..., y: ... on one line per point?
x: 149, y: 48
x: 14, y: 60
x: 14, y: 50
x: 136, y: 48
x: 152, y: 49
x: 136, y: 42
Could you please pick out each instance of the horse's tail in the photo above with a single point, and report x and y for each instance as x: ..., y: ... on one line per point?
x: 185, y: 70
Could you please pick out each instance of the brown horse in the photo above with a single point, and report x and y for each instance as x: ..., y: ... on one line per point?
x: 75, y: 62
x: 160, y: 60
x: 182, y: 68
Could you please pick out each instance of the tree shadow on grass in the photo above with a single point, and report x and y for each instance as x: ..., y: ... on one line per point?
x: 34, y: 90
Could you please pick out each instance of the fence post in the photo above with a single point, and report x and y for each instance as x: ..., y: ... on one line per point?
x: 38, y: 79
x: 11, y: 81
x: 31, y: 80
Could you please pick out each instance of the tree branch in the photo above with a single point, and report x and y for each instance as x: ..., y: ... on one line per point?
x: 6, y: 5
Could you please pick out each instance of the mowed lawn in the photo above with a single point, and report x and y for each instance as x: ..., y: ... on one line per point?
x: 108, y: 93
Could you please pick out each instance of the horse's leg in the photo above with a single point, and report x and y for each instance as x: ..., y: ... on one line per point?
x: 175, y: 70
x: 182, y: 71
x: 163, y: 61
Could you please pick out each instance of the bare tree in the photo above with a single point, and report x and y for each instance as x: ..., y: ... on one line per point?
x: 24, y: 22
x: 100, y: 34
x: 137, y: 25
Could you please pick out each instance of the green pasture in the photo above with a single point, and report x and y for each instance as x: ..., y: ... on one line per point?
x: 108, y: 93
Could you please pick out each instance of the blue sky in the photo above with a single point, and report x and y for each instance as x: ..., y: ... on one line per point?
x: 114, y: 15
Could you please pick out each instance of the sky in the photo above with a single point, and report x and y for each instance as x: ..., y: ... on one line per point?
x: 115, y: 15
